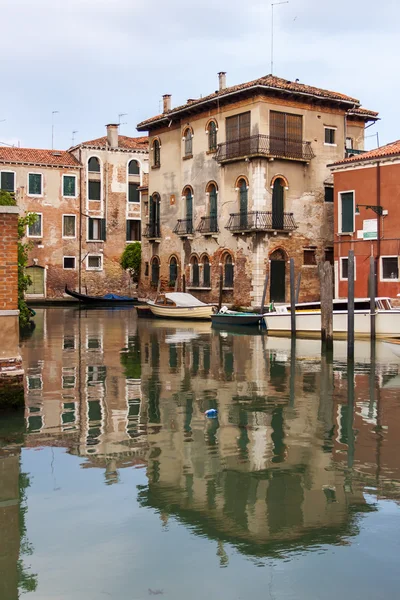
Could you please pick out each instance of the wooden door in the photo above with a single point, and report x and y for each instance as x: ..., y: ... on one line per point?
x: 37, y: 281
x: 277, y: 204
x: 277, y: 285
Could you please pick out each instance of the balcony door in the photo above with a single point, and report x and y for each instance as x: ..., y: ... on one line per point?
x: 243, y: 203
x: 277, y: 289
x: 189, y: 211
x: 238, y: 135
x: 154, y: 215
x: 277, y: 204
x: 286, y: 134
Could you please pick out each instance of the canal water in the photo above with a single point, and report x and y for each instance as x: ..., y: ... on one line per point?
x: 114, y: 484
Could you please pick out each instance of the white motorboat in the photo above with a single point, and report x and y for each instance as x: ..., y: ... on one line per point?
x: 308, y: 319
x: 179, y: 305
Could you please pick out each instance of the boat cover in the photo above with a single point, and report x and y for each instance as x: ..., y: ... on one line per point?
x: 182, y: 299
x: 116, y: 297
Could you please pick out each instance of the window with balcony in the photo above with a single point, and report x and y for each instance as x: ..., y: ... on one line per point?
x: 184, y: 226
x: 209, y: 224
x: 243, y: 202
x: 286, y: 134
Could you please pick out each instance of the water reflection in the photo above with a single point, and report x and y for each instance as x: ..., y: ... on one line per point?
x: 285, y: 467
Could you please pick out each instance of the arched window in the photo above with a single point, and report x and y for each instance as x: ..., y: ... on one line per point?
x: 133, y: 168
x: 212, y: 136
x: 189, y: 209
x: 173, y: 270
x: 94, y: 164
x: 206, y: 272
x: 213, y: 208
x: 154, y: 216
x: 156, y: 154
x: 243, y: 202
x: 155, y: 270
x: 188, y: 138
x: 278, y: 203
x: 195, y: 272
x: 228, y: 271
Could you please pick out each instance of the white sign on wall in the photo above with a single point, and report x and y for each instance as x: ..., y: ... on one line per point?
x: 370, y: 229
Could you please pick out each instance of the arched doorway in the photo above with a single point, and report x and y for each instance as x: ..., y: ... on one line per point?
x: 277, y: 289
x: 36, y: 287
x: 277, y: 204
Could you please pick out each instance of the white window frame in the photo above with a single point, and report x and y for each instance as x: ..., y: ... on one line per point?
x: 341, y: 258
x: 88, y: 178
x: 94, y: 268
x: 340, y: 211
x: 351, y: 147
x: 335, y: 130
x: 134, y: 241
x: 389, y: 280
x: 41, y: 185
x: 69, y: 268
x: 37, y: 237
x: 68, y: 237
x: 76, y: 186
x: 15, y: 178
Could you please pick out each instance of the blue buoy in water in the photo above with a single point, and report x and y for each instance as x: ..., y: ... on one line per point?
x: 211, y: 413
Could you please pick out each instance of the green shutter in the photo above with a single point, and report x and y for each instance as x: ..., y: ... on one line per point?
x: 35, y: 184
x: 347, y: 212
x: 94, y: 190
x: 133, y: 195
x: 103, y: 232
x: 90, y: 229
x: 128, y: 231
x: 69, y: 185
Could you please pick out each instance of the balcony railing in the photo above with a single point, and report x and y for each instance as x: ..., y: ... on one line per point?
x: 184, y: 227
x: 260, y: 221
x: 208, y: 225
x: 152, y: 231
x: 265, y: 145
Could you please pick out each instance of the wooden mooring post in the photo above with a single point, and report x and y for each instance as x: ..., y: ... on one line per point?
x: 326, y: 287
x: 292, y: 299
x: 264, y: 294
x: 372, y: 307
x: 184, y: 283
x: 350, y: 306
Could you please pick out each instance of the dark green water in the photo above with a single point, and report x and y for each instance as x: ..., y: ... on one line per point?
x: 113, y: 484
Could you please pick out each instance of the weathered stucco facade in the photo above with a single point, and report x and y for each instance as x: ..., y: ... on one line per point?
x: 65, y: 249
x: 268, y: 140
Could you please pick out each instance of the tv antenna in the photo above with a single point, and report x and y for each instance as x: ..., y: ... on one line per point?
x: 120, y: 117
x: 73, y: 136
x: 272, y: 31
x: 54, y: 112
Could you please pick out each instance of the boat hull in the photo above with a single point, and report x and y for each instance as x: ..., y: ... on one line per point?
x: 182, y: 312
x: 243, y: 320
x: 309, y: 323
x: 100, y: 300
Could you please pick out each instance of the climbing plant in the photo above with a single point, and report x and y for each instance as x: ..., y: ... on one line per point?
x: 131, y: 259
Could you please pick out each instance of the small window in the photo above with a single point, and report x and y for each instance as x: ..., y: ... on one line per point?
x: 133, y: 230
x: 94, y: 262
x: 188, y: 139
x: 173, y: 270
x: 156, y: 154
x: 330, y: 136
x: 7, y: 181
x: 94, y: 165
x: 344, y: 268
x: 206, y: 272
x: 94, y: 190
x: 212, y: 136
x: 133, y: 168
x: 69, y: 262
x: 69, y: 224
x: 349, y: 143
x: 35, y: 184
x: 309, y: 257
x: 328, y: 255
x: 328, y: 193
x: 228, y: 272
x: 97, y: 230
x: 390, y: 268
x: 195, y: 272
x: 133, y: 192
x: 35, y: 230
x: 347, y: 212
x: 69, y: 186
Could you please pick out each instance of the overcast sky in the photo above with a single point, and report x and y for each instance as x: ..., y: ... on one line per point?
x: 94, y: 59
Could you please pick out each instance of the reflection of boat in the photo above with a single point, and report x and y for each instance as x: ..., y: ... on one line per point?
x: 143, y: 311
x: 229, y: 330
x: 308, y: 319
x: 233, y: 317
x: 394, y: 347
x: 171, y: 326
x: 179, y: 305
x: 107, y: 300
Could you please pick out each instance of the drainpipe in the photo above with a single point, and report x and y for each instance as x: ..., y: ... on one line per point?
x: 379, y: 218
x: 80, y: 223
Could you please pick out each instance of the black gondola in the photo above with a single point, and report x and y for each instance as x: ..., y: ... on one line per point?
x: 107, y: 300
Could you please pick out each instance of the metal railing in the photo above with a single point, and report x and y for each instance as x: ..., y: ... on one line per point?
x: 184, y: 227
x: 265, y: 145
x: 208, y: 225
x: 261, y: 221
x: 152, y: 231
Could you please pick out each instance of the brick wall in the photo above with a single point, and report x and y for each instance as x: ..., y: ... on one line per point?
x: 8, y: 258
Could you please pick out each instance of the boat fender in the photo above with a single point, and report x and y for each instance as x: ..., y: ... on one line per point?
x: 224, y: 309
x: 211, y: 413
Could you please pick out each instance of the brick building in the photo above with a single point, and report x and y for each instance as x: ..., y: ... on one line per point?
x: 367, y: 217
x: 239, y: 183
x: 88, y: 204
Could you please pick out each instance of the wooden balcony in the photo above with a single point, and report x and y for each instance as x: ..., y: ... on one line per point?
x: 264, y: 145
x: 248, y: 222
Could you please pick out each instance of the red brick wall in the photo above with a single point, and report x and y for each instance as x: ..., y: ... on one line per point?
x: 8, y: 260
x: 364, y: 182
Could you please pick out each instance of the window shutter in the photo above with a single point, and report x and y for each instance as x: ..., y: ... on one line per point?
x: 128, y: 227
x: 103, y: 230
x: 347, y: 212
x: 90, y: 229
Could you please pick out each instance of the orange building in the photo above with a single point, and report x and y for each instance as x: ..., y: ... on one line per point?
x: 367, y: 220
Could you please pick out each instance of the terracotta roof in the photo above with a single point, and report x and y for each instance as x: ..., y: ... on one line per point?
x: 392, y: 149
x: 269, y: 81
x: 34, y: 156
x: 363, y: 112
x: 124, y: 142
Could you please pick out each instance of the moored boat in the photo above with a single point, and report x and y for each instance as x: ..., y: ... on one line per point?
x: 107, y: 300
x: 308, y: 319
x: 232, y: 317
x: 179, y: 305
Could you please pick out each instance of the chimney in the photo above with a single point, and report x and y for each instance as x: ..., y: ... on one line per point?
x: 166, y: 103
x: 112, y: 135
x: 222, y: 80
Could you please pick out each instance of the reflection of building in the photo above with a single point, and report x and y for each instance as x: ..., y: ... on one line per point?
x: 239, y: 183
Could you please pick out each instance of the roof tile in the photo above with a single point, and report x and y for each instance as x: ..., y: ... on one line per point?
x: 52, y: 158
x: 124, y: 142
x: 392, y: 149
